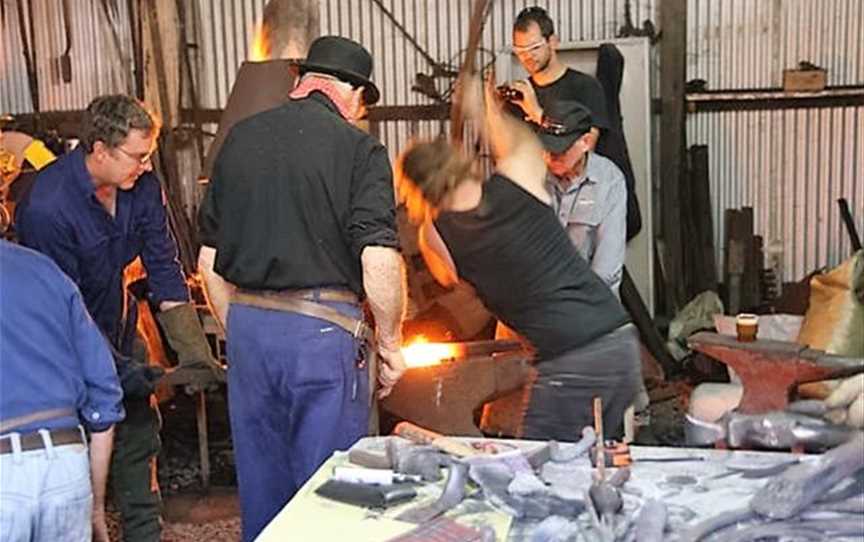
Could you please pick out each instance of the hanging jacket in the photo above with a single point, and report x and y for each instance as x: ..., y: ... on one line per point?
x: 612, y: 144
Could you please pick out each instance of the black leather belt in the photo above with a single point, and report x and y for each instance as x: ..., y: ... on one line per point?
x: 34, y: 441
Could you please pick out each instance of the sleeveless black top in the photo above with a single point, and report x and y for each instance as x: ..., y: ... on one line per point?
x: 515, y: 253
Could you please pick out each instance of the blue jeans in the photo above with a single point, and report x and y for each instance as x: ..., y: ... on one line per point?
x: 45, y: 495
x: 295, y: 395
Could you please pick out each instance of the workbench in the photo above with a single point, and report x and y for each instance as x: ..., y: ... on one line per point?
x: 696, y: 485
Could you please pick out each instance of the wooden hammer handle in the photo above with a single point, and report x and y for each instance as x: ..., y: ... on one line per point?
x: 420, y: 435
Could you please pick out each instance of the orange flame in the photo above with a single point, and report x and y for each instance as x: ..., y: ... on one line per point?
x: 419, y: 352
x: 260, y: 49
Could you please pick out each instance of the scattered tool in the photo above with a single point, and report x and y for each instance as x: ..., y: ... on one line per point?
x: 778, y: 430
x: 361, y: 475
x: 600, y: 459
x: 617, y: 454
x: 419, y: 435
x: 604, y: 498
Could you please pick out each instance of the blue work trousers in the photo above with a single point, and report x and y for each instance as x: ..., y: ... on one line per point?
x: 296, y: 393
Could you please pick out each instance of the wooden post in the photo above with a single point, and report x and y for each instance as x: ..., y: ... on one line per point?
x: 706, y: 273
x: 673, y: 51
x: 163, y: 43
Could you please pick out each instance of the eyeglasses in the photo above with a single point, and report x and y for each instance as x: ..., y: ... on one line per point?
x: 142, y: 160
x: 525, y: 49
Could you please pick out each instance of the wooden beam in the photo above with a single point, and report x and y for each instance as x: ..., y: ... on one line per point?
x: 706, y: 272
x: 673, y: 53
x: 773, y: 99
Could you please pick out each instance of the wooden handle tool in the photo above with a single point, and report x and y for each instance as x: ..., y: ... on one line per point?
x: 420, y: 435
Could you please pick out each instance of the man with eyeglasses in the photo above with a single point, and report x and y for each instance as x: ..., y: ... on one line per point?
x: 536, y: 46
x: 94, y: 211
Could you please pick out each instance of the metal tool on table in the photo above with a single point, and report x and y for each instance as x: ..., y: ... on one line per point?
x: 618, y: 454
x: 600, y: 458
x: 363, y: 475
x: 604, y: 499
x: 419, y: 435
x: 368, y: 495
x: 780, y: 430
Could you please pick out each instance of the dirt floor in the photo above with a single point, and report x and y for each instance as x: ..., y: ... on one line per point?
x: 192, y: 513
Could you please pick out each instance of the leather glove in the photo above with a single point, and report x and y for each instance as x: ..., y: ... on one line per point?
x: 186, y: 336
x: 849, y: 398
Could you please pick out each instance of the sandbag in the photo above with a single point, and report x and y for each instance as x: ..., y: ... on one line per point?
x: 835, y: 318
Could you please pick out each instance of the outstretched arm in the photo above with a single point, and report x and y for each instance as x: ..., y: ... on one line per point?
x: 518, y: 153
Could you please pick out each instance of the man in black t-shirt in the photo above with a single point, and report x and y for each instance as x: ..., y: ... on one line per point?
x: 535, y: 45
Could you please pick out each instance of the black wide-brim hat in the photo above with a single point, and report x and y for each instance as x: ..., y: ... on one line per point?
x: 564, y: 122
x: 345, y: 59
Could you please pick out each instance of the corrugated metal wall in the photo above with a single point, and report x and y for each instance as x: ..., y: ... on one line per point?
x: 223, y: 31
x: 789, y: 165
x: 746, y: 44
x: 97, y: 68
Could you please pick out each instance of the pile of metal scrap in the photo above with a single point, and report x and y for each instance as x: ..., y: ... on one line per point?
x: 819, y: 499
x: 546, y: 489
x: 553, y: 492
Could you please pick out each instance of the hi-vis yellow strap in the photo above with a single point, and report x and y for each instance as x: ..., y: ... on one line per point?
x: 38, y: 154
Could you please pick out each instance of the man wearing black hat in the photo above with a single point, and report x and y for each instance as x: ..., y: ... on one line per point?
x: 299, y: 225
x: 589, y: 193
x: 501, y: 236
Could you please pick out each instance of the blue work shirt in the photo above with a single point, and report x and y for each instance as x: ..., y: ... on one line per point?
x: 62, y: 217
x: 52, y: 355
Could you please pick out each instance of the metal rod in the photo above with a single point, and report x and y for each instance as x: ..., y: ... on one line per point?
x: 846, y: 215
x: 413, y: 41
x: 203, y: 443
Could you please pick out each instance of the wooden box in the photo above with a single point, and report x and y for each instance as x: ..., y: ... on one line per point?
x: 804, y: 80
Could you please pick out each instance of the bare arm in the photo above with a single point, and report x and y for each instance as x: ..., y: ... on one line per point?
x: 518, y: 153
x: 101, y: 445
x: 436, y: 255
x: 384, y: 283
x: 217, y: 290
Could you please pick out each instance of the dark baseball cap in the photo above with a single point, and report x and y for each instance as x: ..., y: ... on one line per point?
x: 564, y: 122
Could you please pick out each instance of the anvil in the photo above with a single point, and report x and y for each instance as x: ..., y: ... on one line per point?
x: 769, y: 370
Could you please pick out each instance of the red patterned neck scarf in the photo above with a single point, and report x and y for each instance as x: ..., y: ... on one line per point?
x: 316, y: 84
